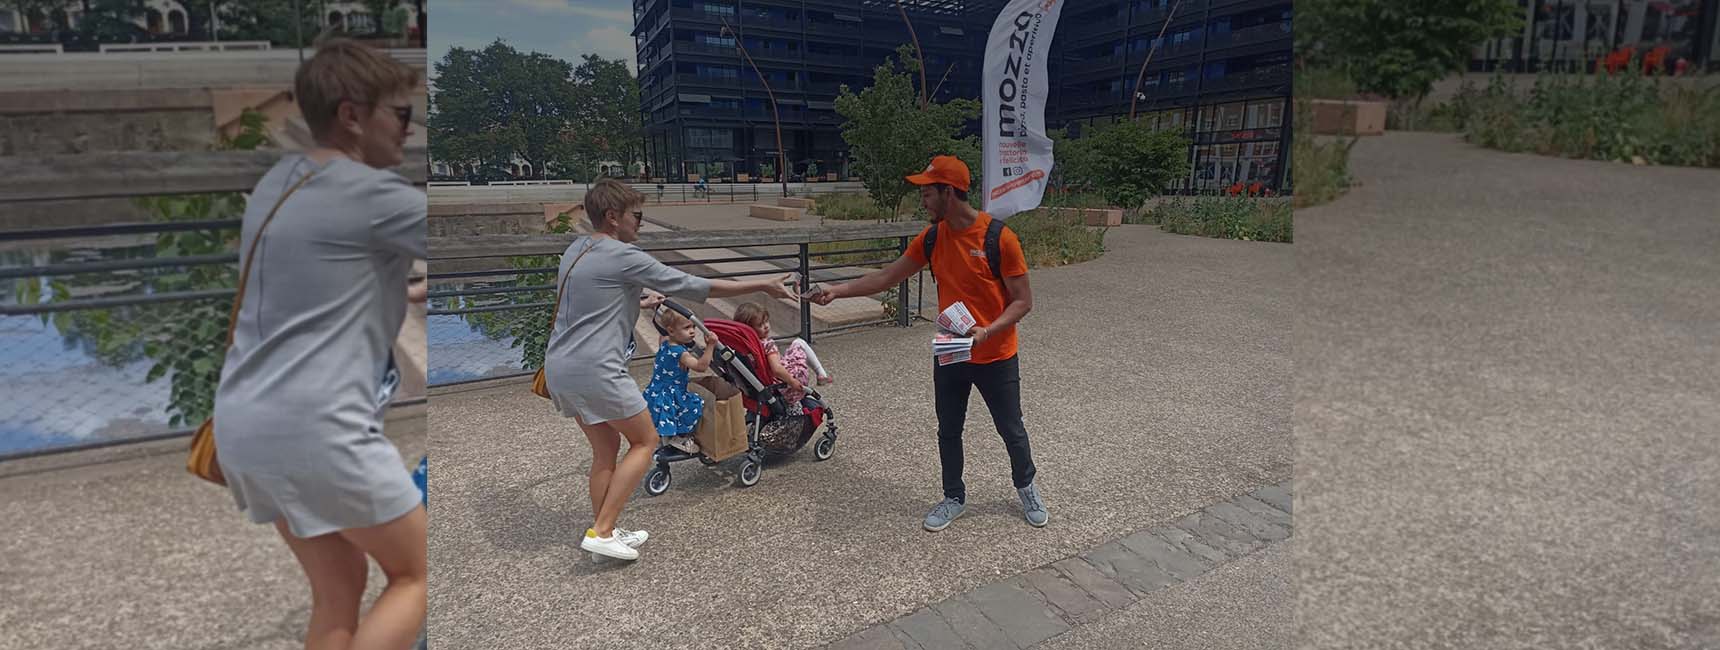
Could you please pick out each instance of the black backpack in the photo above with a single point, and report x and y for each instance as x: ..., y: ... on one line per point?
x: 993, y: 246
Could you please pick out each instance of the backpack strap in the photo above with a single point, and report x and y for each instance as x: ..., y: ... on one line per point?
x: 994, y: 247
x: 931, y: 240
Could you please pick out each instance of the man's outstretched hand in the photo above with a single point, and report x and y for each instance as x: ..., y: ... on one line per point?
x: 819, y: 295
x: 781, y: 287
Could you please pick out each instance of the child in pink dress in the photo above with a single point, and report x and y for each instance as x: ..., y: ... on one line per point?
x: 797, y: 367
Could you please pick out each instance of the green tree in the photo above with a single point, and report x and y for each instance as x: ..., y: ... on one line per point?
x: 526, y: 327
x: 1126, y: 162
x: 262, y: 20
x: 496, y: 103
x: 186, y: 339
x: 605, y: 123
x: 112, y: 19
x: 377, y: 9
x: 891, y: 136
x: 1399, y: 48
x: 29, y: 8
x: 395, y: 21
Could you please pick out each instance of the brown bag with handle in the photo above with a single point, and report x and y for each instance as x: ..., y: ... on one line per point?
x: 202, y: 461
x: 540, y: 386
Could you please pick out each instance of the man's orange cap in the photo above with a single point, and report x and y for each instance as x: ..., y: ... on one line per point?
x: 948, y: 170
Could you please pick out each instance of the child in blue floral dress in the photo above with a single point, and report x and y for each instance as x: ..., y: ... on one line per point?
x: 674, y: 409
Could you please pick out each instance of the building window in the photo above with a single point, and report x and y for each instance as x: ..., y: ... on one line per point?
x: 1219, y: 29
x: 1265, y: 115
x: 717, y: 10
x: 359, y: 22
x: 710, y: 138
x: 704, y: 71
x: 716, y: 40
x: 1230, y: 117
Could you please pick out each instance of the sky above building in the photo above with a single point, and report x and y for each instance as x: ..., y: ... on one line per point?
x: 565, y: 29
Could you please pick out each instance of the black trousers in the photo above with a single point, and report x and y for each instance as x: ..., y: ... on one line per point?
x: 999, y: 384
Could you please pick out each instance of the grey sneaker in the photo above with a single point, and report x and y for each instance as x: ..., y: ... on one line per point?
x: 942, y: 514
x: 1032, y: 506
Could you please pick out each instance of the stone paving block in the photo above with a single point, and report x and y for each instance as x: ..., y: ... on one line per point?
x: 902, y: 637
x: 1173, y: 561
x: 877, y: 637
x: 926, y: 628
x: 1253, y: 525
x: 1074, y: 603
x: 1137, y: 573
x: 1186, y: 541
x: 971, y: 625
x: 1275, y: 496
x: 1018, y: 611
x: 1090, y: 580
x: 1259, y: 509
x: 1219, y: 534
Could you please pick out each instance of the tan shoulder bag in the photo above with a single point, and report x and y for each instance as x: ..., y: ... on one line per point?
x: 540, y: 386
x: 202, y: 459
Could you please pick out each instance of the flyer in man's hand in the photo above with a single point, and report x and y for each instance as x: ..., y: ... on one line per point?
x: 949, y: 346
x: 957, y: 319
x: 945, y: 343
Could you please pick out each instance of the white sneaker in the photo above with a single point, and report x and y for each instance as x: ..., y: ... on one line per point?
x: 607, y: 546
x: 685, y: 443
x: 632, y: 538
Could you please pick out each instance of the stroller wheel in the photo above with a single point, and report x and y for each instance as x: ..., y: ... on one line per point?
x: 750, y: 470
x: 658, y: 480
x: 823, y: 448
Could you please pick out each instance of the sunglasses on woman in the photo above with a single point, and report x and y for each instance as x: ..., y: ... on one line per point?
x: 402, y: 112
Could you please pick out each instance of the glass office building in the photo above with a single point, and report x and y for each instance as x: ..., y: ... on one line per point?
x: 1222, y: 76
x: 1578, y: 35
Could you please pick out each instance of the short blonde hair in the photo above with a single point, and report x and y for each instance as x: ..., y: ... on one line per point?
x: 346, y: 70
x: 609, y: 194
x: 671, y: 320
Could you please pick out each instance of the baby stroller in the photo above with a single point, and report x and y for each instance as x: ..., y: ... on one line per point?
x: 773, y: 429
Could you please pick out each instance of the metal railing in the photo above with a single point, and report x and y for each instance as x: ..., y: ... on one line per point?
x: 82, y: 308
x: 503, y: 289
x: 738, y: 191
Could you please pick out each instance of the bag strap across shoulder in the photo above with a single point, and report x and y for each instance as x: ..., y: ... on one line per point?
x: 993, y: 246
x: 251, y: 256
x: 561, y: 286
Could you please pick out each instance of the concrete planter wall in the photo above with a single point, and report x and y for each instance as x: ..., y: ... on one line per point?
x: 1350, y: 117
x: 1106, y: 217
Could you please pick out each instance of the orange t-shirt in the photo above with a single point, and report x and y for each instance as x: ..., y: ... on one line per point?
x: 964, y: 275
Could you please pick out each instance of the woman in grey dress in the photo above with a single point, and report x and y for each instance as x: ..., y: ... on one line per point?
x: 305, y: 385
x: 585, y: 364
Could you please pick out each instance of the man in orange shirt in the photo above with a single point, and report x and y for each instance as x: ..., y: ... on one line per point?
x: 963, y: 243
